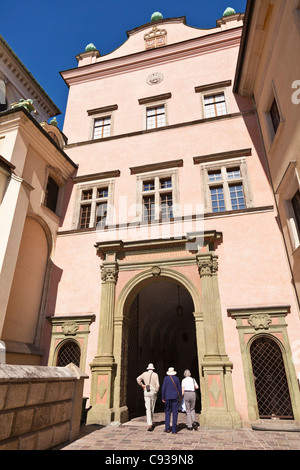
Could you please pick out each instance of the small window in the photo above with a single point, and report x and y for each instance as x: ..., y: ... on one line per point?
x: 93, y: 207
x: 69, y: 352
x: 102, y: 127
x: 215, y: 105
x: 274, y: 114
x: 159, y: 204
x: 51, y: 195
x: 156, y: 117
x: 296, y: 206
x: 226, y: 187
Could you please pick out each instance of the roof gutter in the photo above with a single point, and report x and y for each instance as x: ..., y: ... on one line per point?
x: 244, y: 43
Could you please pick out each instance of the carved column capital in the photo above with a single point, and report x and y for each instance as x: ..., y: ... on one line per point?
x: 109, y: 273
x: 208, y: 265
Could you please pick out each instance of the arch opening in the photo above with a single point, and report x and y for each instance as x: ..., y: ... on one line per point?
x: 160, y: 333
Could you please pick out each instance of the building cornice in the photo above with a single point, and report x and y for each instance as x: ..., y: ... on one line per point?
x: 17, y: 73
x: 148, y: 58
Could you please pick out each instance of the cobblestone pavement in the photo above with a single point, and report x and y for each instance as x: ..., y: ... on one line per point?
x: 134, y: 436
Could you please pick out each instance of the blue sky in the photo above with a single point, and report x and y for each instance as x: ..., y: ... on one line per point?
x: 48, y: 35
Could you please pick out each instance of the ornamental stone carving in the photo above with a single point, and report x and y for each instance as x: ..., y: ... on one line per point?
x: 155, y: 78
x: 207, y: 266
x: 156, y: 271
x: 109, y: 274
x: 260, y: 321
x: 69, y: 327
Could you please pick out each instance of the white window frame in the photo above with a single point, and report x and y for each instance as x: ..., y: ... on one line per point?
x: 223, y: 166
x: 212, y: 92
x: 157, y: 191
x: 94, y: 186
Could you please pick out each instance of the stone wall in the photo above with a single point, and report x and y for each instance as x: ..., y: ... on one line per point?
x: 40, y: 407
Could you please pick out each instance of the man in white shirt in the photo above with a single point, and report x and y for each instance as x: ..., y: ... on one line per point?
x: 189, y: 387
x: 149, y: 381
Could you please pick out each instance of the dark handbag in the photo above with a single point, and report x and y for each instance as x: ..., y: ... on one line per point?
x: 148, y: 386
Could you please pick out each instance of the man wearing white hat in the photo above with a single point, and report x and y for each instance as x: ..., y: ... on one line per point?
x: 149, y: 381
x: 171, y: 397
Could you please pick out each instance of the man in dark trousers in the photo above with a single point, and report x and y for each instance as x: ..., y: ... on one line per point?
x: 171, y: 397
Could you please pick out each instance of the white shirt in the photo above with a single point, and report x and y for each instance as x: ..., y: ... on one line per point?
x: 188, y: 384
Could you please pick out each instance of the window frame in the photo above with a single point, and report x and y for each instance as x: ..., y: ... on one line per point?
x: 93, y: 186
x: 273, y: 134
x: 157, y: 176
x: 225, y: 183
x: 212, y: 90
x: 56, y: 175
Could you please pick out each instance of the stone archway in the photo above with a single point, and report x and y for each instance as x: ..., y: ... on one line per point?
x: 138, y: 284
x: 160, y: 333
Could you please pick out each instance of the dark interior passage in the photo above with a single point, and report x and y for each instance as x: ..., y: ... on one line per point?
x: 162, y: 331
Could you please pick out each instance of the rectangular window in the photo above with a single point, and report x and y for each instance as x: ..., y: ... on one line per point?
x: 217, y: 199
x: 274, y: 114
x: 156, y: 117
x: 102, y: 127
x: 148, y: 208
x: 237, y: 196
x: 93, y: 207
x: 214, y: 105
x: 157, y: 198
x: 226, y: 186
x: 51, y: 194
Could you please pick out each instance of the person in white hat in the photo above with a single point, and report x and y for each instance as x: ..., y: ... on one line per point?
x: 171, y: 397
x: 149, y: 381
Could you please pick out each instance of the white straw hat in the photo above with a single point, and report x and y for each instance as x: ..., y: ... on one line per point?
x: 151, y: 367
x: 171, y: 371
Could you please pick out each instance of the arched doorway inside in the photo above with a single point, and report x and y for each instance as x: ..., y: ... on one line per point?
x: 271, y: 386
x: 161, y: 331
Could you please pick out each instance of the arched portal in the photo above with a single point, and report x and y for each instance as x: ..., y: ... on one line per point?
x: 162, y: 331
x: 152, y: 331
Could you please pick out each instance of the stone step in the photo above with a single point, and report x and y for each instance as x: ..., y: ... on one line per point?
x: 276, y: 425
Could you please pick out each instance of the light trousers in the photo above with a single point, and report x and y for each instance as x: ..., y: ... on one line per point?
x: 150, y: 400
x: 190, y: 404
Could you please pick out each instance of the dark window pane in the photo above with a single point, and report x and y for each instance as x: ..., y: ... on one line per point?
x: 274, y: 113
x: 296, y: 207
x: 51, y: 194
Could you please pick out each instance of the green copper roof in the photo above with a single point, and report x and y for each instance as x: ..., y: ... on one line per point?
x: 90, y: 47
x: 156, y: 16
x: 229, y: 11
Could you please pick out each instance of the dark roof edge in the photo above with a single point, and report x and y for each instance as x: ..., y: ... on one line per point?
x: 30, y: 75
x: 244, y: 42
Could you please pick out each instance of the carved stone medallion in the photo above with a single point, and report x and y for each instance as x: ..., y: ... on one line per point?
x: 154, y: 78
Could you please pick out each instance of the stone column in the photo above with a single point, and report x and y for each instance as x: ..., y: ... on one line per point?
x: 103, y: 365
x: 218, y: 407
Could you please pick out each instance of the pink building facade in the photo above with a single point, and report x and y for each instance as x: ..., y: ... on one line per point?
x: 169, y: 250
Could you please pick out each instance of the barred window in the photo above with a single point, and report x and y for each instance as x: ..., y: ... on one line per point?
x: 69, y: 352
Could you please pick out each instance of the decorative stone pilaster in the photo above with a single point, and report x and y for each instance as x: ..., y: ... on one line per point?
x: 218, y: 407
x: 103, y: 365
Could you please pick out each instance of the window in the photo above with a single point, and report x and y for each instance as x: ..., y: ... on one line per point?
x: 296, y: 206
x: 93, y: 207
x: 51, y: 194
x: 214, y: 105
x: 69, y: 352
x: 226, y: 186
x: 157, y: 197
x: 274, y: 114
x: 102, y: 127
x: 156, y: 117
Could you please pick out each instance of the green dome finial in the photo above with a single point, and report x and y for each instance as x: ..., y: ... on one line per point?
x: 156, y: 16
x: 90, y: 47
x: 229, y: 11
